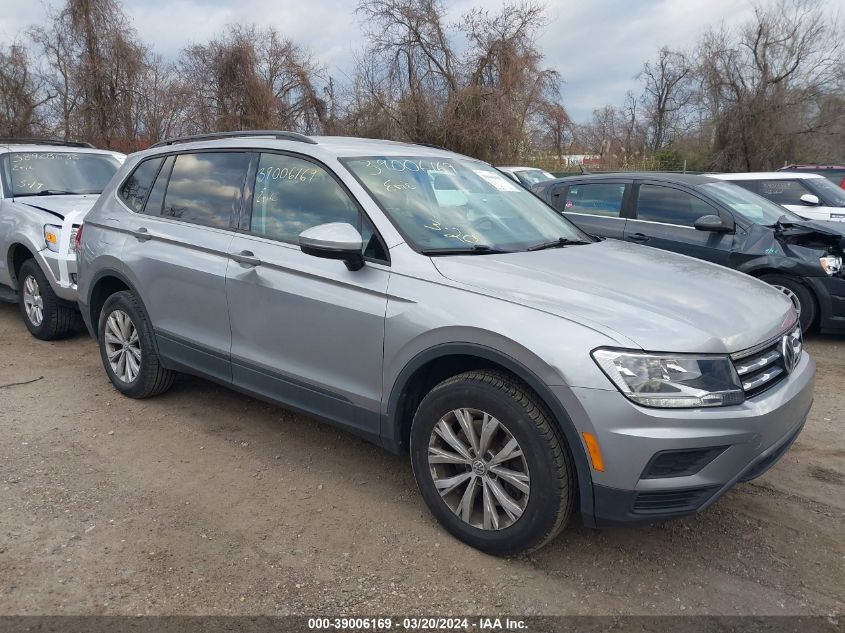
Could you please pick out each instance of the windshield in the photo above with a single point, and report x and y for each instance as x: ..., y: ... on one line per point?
x: 749, y: 205
x: 533, y: 176
x: 44, y: 173
x: 830, y: 192
x: 452, y: 203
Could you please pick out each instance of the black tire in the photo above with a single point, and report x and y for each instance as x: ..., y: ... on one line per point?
x: 803, y: 295
x: 552, y: 480
x: 57, y: 320
x: 152, y: 378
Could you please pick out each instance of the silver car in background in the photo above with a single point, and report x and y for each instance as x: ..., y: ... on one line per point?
x: 424, y: 301
x: 46, y: 188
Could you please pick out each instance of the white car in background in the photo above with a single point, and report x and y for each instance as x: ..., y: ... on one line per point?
x: 811, y: 196
x: 526, y: 176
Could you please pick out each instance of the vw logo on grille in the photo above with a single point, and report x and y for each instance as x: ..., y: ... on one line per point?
x: 791, y: 350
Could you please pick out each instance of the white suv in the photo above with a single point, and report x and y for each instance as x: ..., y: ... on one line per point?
x: 811, y: 196
x: 46, y: 188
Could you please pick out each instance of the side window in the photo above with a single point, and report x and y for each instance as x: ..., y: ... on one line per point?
x: 206, y: 188
x: 155, y: 200
x: 783, y: 191
x: 656, y: 203
x: 135, y: 189
x: 603, y: 199
x: 292, y: 195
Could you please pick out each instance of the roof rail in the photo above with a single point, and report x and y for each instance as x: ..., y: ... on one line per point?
x: 431, y: 145
x: 43, y: 141
x: 277, y: 134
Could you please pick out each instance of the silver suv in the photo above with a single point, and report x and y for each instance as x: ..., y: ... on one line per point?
x: 427, y: 302
x: 46, y: 187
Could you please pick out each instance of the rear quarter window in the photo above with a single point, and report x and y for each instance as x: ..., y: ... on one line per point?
x: 136, y: 188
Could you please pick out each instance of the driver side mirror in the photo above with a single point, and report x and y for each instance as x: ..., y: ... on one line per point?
x: 810, y: 199
x: 713, y: 223
x: 335, y: 240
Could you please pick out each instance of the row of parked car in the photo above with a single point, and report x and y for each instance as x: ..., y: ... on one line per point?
x: 429, y: 303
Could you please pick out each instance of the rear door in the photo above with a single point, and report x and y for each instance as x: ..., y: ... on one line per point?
x: 177, y: 253
x: 596, y: 207
x: 306, y: 331
x: 665, y: 216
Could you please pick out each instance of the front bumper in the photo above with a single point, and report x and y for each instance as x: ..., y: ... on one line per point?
x: 830, y: 292
x: 60, y: 269
x: 739, y: 442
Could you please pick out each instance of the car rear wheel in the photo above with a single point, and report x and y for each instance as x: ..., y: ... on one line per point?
x: 43, y: 313
x: 490, y: 465
x: 800, y: 296
x: 128, y: 349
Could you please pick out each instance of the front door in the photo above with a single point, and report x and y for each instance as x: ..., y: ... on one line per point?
x: 665, y: 219
x: 306, y: 331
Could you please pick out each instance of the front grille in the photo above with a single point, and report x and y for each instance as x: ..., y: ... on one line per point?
x: 680, y: 463
x: 672, y: 501
x: 762, y: 369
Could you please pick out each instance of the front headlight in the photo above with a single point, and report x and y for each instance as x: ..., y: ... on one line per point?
x: 51, y: 237
x: 831, y: 264
x: 672, y: 380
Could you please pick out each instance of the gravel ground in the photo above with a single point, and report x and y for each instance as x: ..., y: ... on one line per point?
x: 204, y: 501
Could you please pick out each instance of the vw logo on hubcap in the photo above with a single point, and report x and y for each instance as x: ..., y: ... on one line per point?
x: 479, y: 468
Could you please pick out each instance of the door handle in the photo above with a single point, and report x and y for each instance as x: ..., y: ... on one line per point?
x: 639, y: 237
x: 142, y: 234
x: 247, y: 258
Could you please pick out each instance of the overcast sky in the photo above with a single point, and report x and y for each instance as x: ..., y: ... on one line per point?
x: 598, y: 46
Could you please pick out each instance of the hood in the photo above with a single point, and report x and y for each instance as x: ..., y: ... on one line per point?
x: 828, y: 232
x: 659, y: 300
x: 59, y: 206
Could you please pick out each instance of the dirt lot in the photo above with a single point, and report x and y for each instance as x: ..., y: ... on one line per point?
x: 204, y: 501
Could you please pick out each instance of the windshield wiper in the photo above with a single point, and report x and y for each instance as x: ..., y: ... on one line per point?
x: 558, y: 243
x: 46, y: 192
x: 475, y: 249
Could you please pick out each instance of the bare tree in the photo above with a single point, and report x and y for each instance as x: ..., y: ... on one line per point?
x: 763, y: 85
x: 554, y: 128
x: 248, y: 79
x: 667, y: 93
x: 93, y: 62
x: 415, y: 83
x: 21, y: 94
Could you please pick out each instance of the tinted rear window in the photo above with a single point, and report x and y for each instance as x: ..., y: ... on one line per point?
x: 206, y: 188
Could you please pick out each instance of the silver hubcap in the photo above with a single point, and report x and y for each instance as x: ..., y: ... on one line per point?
x: 791, y: 296
x: 32, y: 302
x: 122, y: 346
x: 479, y: 469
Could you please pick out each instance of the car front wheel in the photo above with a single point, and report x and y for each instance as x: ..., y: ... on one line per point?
x: 490, y: 465
x: 45, y: 316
